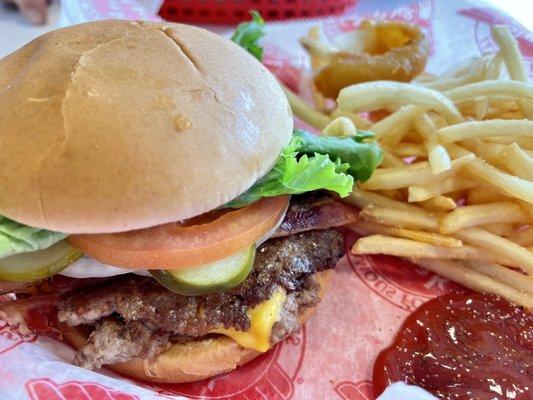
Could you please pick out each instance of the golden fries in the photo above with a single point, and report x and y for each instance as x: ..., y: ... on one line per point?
x: 415, y: 174
x: 514, y: 254
x: 439, y: 203
x: 503, y: 229
x: 515, y: 90
x: 420, y: 219
x: 365, y: 227
x: 523, y: 237
x: 510, y: 52
x: 455, y: 190
x: 434, y: 189
x: 516, y: 161
x: 474, y: 71
x: 385, y: 94
x: 495, y: 127
x: 340, y: 126
x: 472, y: 279
x: 491, y: 213
x: 397, y: 124
x: 379, y: 244
x: 513, y: 278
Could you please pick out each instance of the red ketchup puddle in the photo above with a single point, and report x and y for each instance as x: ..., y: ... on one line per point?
x: 462, y: 346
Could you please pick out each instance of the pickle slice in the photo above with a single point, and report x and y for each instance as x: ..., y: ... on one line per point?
x: 35, y: 265
x: 208, y: 278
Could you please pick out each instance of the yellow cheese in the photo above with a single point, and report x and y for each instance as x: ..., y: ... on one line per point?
x: 262, y: 319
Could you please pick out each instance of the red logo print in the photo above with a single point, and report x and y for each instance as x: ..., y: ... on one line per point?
x: 286, y: 68
x: 14, y: 337
x: 46, y: 389
x: 361, y: 390
x: 270, y: 376
x: 398, y: 281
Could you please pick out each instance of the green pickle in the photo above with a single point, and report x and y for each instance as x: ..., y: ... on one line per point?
x: 40, y: 264
x: 209, y: 278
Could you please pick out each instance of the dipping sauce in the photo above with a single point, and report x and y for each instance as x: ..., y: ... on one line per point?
x: 462, y: 346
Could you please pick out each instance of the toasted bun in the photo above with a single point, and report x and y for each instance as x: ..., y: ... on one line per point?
x: 190, y: 361
x: 117, y: 125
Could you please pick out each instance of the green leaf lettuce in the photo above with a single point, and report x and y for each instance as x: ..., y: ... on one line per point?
x: 248, y: 34
x: 312, y: 162
x: 18, y: 238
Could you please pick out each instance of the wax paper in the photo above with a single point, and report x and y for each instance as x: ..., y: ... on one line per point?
x: 332, y: 355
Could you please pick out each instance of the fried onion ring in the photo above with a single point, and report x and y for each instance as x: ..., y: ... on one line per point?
x: 391, y: 51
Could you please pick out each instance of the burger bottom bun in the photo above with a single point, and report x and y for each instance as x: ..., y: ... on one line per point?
x: 189, y: 361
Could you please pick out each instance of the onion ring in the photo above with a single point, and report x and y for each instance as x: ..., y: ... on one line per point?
x: 392, y: 51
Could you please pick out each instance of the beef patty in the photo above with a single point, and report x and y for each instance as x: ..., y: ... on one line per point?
x: 134, y: 316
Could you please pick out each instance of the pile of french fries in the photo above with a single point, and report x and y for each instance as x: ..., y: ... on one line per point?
x: 455, y: 190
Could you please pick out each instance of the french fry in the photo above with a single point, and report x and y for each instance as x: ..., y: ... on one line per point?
x: 438, y: 157
x: 472, y: 279
x: 505, y: 183
x: 520, y: 282
x: 481, y: 195
x: 510, y: 52
x: 515, y: 90
x: 482, y: 214
x: 527, y: 207
x: 361, y: 198
x: 420, y: 219
x: 359, y: 121
x: 393, y: 194
x: 439, y: 203
x: 434, y: 189
x: 390, y: 160
x: 489, y: 152
x: 396, y: 124
x: 523, y: 237
x: 371, y: 96
x: 305, y: 112
x: 419, y: 174
x: 409, y: 150
x: 379, y: 244
x: 512, y: 59
x: 317, y: 61
x: 340, y: 126
x: 365, y: 227
x: 317, y: 49
x: 474, y: 71
x: 483, y: 129
x: 525, y: 143
x: 502, y: 229
x: 516, y: 255
x: 494, y: 67
x: 516, y: 161
x: 494, y: 177
x: 316, y: 64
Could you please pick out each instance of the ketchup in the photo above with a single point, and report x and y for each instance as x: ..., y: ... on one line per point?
x: 462, y: 346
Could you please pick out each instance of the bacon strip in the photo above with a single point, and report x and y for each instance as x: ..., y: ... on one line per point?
x: 313, y: 214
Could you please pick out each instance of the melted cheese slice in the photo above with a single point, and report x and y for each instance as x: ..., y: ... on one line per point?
x: 262, y: 319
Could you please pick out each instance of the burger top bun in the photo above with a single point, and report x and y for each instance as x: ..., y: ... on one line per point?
x: 117, y: 125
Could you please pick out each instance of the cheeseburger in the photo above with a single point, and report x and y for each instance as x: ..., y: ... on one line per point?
x: 158, y: 211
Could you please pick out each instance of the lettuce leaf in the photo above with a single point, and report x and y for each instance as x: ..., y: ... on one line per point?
x: 248, y: 34
x: 363, y: 158
x: 313, y: 162
x: 18, y: 238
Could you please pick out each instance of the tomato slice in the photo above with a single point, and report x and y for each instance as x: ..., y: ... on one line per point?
x: 195, y: 242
